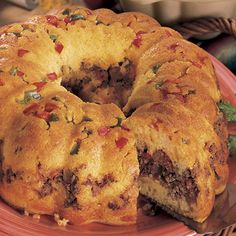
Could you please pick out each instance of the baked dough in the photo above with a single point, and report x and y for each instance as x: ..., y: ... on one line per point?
x: 66, y: 147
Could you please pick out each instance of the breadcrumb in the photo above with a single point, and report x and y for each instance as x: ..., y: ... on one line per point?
x: 61, y: 222
x: 36, y: 216
x: 26, y: 213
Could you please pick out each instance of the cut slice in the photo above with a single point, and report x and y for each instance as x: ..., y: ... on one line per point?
x: 176, y: 168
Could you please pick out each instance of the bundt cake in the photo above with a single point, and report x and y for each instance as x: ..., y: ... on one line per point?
x: 66, y: 146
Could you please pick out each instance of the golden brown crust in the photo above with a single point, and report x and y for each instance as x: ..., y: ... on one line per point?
x: 59, y: 154
x: 66, y: 167
x: 182, y: 135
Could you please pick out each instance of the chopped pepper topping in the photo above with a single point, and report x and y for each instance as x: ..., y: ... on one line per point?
x: 22, y: 52
x: 67, y: 20
x: 2, y: 83
x: 138, y: 39
x: 71, y: 19
x: 75, y: 17
x: 173, y: 46
x: 59, y: 47
x: 49, y: 107
x: 118, y: 124
x: 159, y: 84
x: 155, y: 68
x: 43, y: 115
x: 32, y: 109
x: 47, y: 116
x: 103, y: 131
x: 87, y: 131
x: 13, y: 71
x: 76, y: 147
x: 52, y: 20
x: 39, y: 85
x: 29, y: 96
x: 66, y: 12
x: 52, y: 76
x: 20, y: 73
x: 53, y: 117
x: 53, y: 37
x: 121, y: 142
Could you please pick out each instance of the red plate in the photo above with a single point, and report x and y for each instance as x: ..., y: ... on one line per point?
x: 13, y: 223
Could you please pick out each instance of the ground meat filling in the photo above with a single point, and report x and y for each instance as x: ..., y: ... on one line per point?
x: 217, y: 157
x: 46, y: 188
x: 122, y: 75
x: 98, y: 185
x: 148, y: 206
x: 95, y: 84
x: 11, y: 176
x: 220, y: 126
x: 7, y: 175
x: 160, y: 167
x: 119, y: 203
x: 70, y: 182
